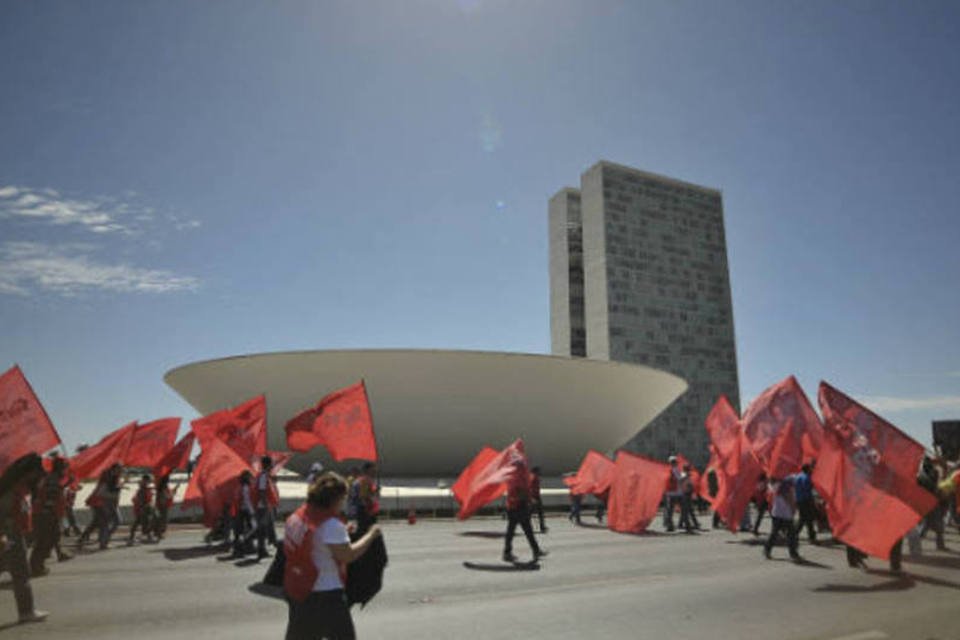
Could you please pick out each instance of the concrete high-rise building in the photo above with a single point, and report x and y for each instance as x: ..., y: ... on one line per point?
x: 638, y: 273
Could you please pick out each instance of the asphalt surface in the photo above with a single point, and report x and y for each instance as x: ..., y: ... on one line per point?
x: 593, y: 583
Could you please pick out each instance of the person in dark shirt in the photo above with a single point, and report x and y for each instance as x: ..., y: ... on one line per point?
x: 15, y: 484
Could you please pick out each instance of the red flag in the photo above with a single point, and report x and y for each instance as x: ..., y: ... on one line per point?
x: 715, y: 465
x: 491, y: 481
x: 466, y: 477
x: 178, y: 457
x: 93, y: 461
x: 242, y: 428
x: 636, y: 492
x: 278, y: 458
x: 25, y: 426
x: 341, y: 422
x: 151, y: 441
x: 737, y: 477
x: 218, y: 478
x: 775, y: 409
x: 594, y: 475
x: 723, y: 427
x: 787, y: 454
x: 867, y: 473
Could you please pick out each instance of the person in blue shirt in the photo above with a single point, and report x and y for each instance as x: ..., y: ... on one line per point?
x: 803, y: 491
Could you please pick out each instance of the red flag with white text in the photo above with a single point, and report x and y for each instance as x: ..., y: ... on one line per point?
x: 594, y: 475
x: 178, y: 457
x: 25, y: 426
x: 218, y: 478
x: 93, y: 461
x: 636, y: 492
x: 151, y: 441
x: 461, y: 487
x: 867, y: 474
x: 782, y: 409
x: 491, y: 481
x: 341, y: 422
x: 242, y: 428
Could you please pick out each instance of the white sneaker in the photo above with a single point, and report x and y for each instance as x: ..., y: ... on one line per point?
x: 34, y: 616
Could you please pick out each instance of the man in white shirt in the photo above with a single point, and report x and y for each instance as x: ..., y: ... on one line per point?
x: 784, y: 506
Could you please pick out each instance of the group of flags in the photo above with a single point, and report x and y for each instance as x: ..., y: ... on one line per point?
x: 865, y: 467
x: 232, y: 440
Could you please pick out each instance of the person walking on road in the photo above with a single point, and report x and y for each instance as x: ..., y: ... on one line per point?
x: 15, y: 485
x: 803, y: 490
x: 265, y: 501
x: 318, y: 549
x: 784, y: 505
x: 535, y: 498
x: 518, y: 511
x: 673, y: 494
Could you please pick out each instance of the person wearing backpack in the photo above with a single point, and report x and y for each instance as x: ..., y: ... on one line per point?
x: 317, y: 548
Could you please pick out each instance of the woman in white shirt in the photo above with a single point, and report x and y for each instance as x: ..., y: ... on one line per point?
x: 318, y: 548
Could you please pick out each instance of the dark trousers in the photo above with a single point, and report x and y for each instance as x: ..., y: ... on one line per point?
x: 716, y: 520
x: 538, y: 509
x: 785, y: 525
x: 688, y: 519
x: 46, y: 530
x: 934, y: 520
x: 160, y: 524
x: 855, y: 557
x: 808, y: 517
x: 243, y: 531
x: 761, y: 509
x: 72, y: 528
x: 672, y: 502
x: 520, y: 517
x: 15, y: 561
x: 324, y: 614
x: 265, y: 529
x: 144, y: 521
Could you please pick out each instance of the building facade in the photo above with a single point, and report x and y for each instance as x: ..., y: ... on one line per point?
x: 650, y: 259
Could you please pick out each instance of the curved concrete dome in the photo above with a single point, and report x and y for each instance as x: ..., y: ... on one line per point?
x: 433, y: 410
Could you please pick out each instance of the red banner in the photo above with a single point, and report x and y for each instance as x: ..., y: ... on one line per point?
x: 341, y: 422
x: 218, y: 478
x: 867, y: 473
x: 25, y: 426
x: 242, y: 428
x: 178, y: 457
x: 594, y: 475
x: 781, y: 409
x: 491, y: 481
x: 151, y: 441
x: 93, y: 461
x: 636, y: 492
x: 723, y: 427
x: 461, y: 487
x: 737, y: 477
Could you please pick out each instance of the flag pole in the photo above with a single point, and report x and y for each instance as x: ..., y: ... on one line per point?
x: 376, y: 442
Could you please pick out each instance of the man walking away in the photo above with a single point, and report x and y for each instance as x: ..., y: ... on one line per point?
x: 784, y: 505
x: 518, y: 512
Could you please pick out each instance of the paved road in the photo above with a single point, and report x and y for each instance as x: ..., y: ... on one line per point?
x: 713, y: 585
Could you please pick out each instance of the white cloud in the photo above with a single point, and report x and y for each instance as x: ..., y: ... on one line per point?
x: 9, y: 192
x: 893, y: 404
x: 101, y: 215
x: 26, y: 267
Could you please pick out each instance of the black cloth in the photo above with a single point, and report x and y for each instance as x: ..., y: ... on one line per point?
x: 14, y: 560
x: 365, y: 574
x: 324, y: 614
x: 761, y: 509
x: 274, y: 575
x: 46, y: 528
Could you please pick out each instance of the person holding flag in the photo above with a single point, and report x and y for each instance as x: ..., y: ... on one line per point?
x: 164, y: 500
x: 518, y: 511
x: 535, y: 497
x: 47, y: 509
x: 318, y: 549
x: 265, y: 500
x: 15, y: 483
x: 803, y: 489
x: 673, y: 494
x: 782, y: 510
x: 143, y: 513
x: 364, y: 495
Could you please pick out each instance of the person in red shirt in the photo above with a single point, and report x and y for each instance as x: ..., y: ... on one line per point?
x: 164, y: 500
x: 15, y: 484
x: 143, y: 513
x: 518, y: 511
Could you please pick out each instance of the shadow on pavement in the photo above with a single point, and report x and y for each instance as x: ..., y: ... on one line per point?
x: 246, y: 562
x: 266, y: 590
x: 933, y: 561
x: 900, y: 583
x: 501, y: 567
x: 481, y: 534
x: 188, y: 553
x: 588, y: 525
x: 9, y: 625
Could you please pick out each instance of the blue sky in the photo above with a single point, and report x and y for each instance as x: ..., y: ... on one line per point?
x: 185, y: 180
